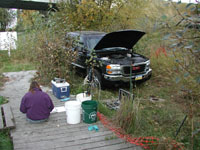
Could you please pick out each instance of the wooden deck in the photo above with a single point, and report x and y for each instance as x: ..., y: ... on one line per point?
x: 56, y: 133
x: 6, y: 117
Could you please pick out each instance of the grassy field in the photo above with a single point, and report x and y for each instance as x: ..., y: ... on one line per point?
x: 14, y: 63
x: 5, y: 142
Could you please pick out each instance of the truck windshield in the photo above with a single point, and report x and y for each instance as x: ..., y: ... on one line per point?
x: 91, y: 41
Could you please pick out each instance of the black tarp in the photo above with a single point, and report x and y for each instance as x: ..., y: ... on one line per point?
x: 31, y: 5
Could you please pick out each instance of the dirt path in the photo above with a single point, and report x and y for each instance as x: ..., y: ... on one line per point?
x: 17, y: 86
x: 56, y: 133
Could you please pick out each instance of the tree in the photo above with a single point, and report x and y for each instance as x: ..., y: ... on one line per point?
x: 6, y: 16
x: 184, y: 41
x: 87, y: 15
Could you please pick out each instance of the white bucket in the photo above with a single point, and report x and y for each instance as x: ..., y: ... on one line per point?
x: 83, y: 97
x: 73, y: 109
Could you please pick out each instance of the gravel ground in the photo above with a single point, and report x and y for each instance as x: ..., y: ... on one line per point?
x: 17, y: 85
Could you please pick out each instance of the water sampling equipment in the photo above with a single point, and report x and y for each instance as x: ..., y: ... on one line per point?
x: 60, y: 88
x: 73, y: 109
x: 89, y: 111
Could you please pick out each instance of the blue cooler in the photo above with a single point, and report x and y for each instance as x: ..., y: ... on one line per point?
x: 60, y: 90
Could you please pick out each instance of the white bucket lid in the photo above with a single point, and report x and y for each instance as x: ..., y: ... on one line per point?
x: 83, y: 97
x: 60, y: 84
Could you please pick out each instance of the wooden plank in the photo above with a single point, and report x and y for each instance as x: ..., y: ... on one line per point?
x: 131, y: 148
x: 35, y: 146
x: 56, y: 131
x: 50, y: 125
x: 1, y: 119
x: 53, y: 123
x: 119, y: 146
x: 9, y: 119
x: 46, y: 128
x: 64, y: 136
x: 93, y: 145
x: 88, y: 140
x: 46, y: 145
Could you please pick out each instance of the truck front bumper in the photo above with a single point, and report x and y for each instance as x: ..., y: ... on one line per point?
x: 127, y: 79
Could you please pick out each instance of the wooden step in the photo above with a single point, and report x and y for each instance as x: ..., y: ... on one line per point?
x: 6, y: 117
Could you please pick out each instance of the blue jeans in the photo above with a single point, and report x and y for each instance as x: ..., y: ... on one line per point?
x: 36, y: 121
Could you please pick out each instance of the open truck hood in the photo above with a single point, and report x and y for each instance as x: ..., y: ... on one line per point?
x: 126, y: 39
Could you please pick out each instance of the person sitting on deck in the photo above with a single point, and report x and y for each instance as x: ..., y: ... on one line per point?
x: 36, y: 104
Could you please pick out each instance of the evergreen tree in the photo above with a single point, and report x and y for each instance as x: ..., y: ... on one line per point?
x: 6, y: 16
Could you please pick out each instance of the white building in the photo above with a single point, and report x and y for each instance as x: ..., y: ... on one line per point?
x: 8, y: 40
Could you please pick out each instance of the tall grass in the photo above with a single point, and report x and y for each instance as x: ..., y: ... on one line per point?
x: 5, y: 142
x: 15, y: 62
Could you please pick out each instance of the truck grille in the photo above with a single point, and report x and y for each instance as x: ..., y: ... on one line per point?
x: 135, y: 69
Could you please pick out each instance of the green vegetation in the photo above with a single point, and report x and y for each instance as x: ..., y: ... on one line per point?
x: 5, y: 142
x: 6, y: 17
x: 171, y: 43
x: 14, y: 63
x: 3, y: 100
x: 1, y: 80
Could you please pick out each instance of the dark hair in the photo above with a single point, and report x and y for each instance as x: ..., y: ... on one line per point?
x: 33, y: 85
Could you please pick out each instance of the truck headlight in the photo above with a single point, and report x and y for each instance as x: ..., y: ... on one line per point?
x: 148, y: 62
x: 147, y: 65
x: 113, y: 69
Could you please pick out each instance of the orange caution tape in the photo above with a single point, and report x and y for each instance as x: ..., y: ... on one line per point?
x: 161, y: 50
x: 144, y: 142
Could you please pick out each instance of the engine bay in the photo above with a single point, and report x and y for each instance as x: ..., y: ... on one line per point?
x: 123, y: 59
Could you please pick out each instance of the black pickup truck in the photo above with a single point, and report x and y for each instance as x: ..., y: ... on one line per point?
x: 113, y: 52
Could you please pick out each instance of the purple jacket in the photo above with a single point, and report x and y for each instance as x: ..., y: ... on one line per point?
x: 37, y: 105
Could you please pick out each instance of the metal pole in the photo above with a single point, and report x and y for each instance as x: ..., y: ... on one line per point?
x: 131, y: 84
x: 177, y: 132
